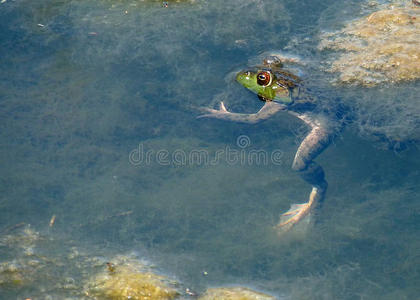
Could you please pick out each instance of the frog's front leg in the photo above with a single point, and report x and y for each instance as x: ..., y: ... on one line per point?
x: 313, y: 144
x: 269, y: 109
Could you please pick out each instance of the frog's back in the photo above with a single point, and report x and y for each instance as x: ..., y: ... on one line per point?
x: 303, y: 99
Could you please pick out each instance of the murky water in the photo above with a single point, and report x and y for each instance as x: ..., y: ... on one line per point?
x: 98, y: 104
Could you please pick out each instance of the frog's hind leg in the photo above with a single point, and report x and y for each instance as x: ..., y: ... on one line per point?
x: 313, y: 144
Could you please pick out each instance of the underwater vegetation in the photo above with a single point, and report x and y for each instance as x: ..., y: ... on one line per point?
x: 381, y: 47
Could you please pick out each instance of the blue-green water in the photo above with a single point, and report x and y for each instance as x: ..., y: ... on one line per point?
x: 87, y: 85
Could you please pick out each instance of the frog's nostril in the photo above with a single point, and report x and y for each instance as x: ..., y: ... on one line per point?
x: 243, y: 76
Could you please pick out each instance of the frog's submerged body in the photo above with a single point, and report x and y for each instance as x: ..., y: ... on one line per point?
x: 283, y: 91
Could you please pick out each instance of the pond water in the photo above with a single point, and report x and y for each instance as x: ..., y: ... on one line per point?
x: 98, y: 104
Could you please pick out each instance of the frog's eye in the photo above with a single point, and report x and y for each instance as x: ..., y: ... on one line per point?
x: 264, y: 78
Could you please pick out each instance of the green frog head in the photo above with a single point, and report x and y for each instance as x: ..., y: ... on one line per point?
x: 270, y: 85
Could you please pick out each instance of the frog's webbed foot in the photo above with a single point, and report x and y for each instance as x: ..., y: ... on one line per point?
x: 300, y: 212
x: 296, y: 213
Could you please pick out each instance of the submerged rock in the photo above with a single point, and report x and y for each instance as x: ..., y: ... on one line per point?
x: 382, y: 47
x: 234, y: 293
x: 30, y: 260
x: 129, y: 279
x: 20, y: 270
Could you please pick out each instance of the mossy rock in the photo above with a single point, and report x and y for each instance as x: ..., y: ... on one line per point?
x: 121, y: 282
x: 381, y: 47
x: 234, y: 293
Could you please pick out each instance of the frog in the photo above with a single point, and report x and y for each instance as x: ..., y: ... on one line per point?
x: 282, y: 91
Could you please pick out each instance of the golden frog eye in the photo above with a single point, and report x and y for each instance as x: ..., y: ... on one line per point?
x: 264, y: 78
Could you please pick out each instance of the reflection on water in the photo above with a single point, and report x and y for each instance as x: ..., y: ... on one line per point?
x: 84, y: 83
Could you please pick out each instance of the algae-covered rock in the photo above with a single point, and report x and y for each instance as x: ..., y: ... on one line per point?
x: 234, y: 293
x: 129, y: 279
x: 12, y: 275
x: 36, y: 263
x: 381, y: 47
x: 23, y: 264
